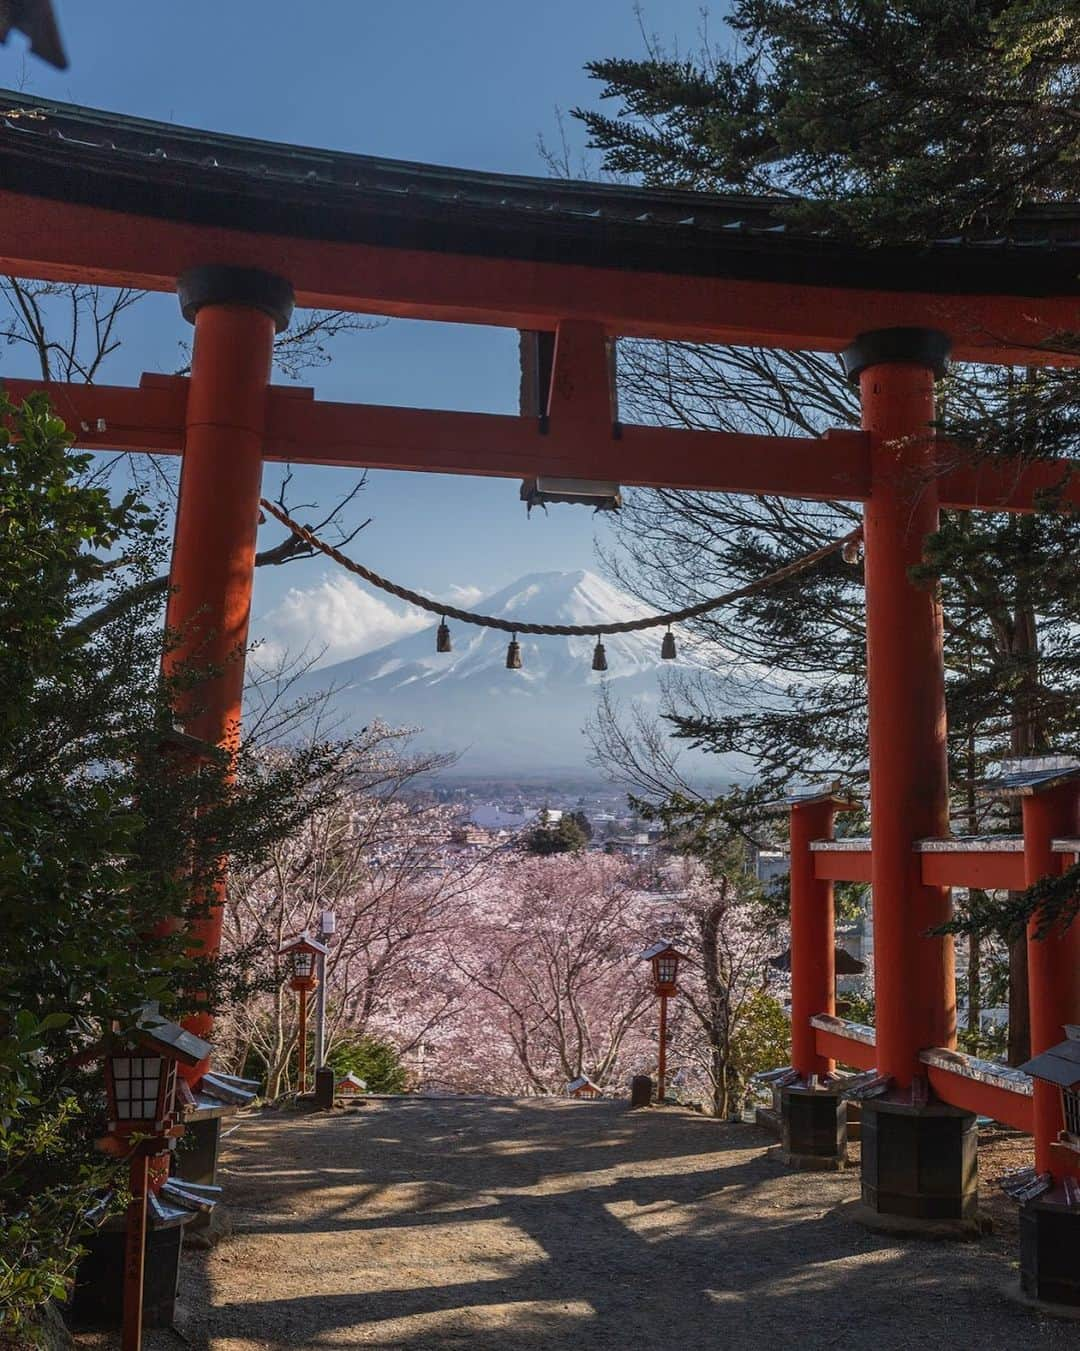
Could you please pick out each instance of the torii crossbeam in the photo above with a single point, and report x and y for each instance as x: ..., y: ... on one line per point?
x: 244, y: 227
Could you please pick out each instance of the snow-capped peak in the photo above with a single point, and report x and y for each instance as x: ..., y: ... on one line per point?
x: 466, y: 699
x: 579, y: 599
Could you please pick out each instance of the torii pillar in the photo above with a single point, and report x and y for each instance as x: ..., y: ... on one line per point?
x: 813, y: 1113
x: 918, y: 1161
x: 236, y: 312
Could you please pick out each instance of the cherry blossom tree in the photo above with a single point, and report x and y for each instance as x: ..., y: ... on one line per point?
x: 501, y: 971
x: 380, y: 858
x: 728, y: 1022
x: 551, y: 981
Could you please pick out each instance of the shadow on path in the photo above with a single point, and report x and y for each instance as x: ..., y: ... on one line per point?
x: 542, y: 1224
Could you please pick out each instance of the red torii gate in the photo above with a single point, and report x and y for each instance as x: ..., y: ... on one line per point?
x: 243, y: 228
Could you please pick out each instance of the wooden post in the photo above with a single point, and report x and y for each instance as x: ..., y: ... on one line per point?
x: 661, y: 1069
x: 236, y: 312
x: 301, y: 1072
x: 135, y: 1253
x: 1053, y: 963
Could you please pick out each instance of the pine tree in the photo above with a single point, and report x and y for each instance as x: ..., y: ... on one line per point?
x: 884, y: 122
x: 892, y: 119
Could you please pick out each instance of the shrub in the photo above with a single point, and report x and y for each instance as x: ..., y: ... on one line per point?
x: 374, y: 1059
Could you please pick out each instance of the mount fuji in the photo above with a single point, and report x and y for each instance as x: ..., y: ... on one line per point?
x: 502, y: 723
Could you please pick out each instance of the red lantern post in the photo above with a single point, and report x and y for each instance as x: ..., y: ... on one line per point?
x: 665, y: 959
x: 302, y: 952
x: 140, y: 1088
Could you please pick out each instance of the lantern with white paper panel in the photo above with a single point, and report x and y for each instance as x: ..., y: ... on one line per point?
x: 665, y: 959
x: 140, y: 1075
x: 300, y: 954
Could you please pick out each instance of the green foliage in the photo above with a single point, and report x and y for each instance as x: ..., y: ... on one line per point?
x: 860, y: 1007
x: 896, y: 119
x: 374, y: 1059
x: 101, y: 836
x: 583, y: 824
x: 39, y: 1224
x: 990, y: 1043
x: 67, y: 835
x: 1053, y: 902
x: 564, y: 836
x: 761, y: 1039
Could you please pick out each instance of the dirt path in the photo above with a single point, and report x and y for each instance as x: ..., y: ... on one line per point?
x: 497, y: 1225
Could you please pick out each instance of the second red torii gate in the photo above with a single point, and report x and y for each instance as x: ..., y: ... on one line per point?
x: 85, y: 199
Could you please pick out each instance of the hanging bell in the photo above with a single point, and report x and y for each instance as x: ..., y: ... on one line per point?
x: 599, y: 656
x: 513, y: 655
x: 667, y: 647
x: 442, y: 639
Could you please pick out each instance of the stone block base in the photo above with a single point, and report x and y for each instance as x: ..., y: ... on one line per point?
x: 196, y: 1157
x: 919, y: 1162
x: 196, y: 1160
x: 814, y: 1129
x: 769, y: 1119
x: 1050, y: 1250
x: 98, y: 1297
x: 641, y: 1090
x: 324, y: 1089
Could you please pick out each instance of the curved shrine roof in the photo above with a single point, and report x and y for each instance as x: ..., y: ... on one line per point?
x: 80, y: 155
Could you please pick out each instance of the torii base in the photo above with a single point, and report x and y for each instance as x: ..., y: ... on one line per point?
x: 1050, y: 1251
x: 814, y: 1129
x: 920, y: 1163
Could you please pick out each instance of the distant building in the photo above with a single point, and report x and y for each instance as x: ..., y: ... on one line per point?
x: 636, y: 847
x: 770, y: 864
x: 492, y: 816
x: 472, y: 835
x: 583, y: 1087
x: 349, y: 1086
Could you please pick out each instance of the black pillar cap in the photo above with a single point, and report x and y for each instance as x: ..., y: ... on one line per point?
x: 918, y: 346
x: 221, y: 284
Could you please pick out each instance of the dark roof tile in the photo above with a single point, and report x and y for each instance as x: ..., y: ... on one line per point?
x: 157, y: 169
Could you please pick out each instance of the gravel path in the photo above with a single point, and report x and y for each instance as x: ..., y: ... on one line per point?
x: 501, y: 1224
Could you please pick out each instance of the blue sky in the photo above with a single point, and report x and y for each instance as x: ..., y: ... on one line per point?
x: 470, y: 83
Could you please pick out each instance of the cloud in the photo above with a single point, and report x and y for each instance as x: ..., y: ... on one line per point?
x: 338, y: 615
x: 464, y: 597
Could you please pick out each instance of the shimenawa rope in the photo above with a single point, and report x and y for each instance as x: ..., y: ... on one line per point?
x: 436, y: 607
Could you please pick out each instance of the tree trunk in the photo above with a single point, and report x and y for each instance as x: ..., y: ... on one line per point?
x: 715, y: 994
x: 974, y: 962
x: 1026, y: 739
x: 1019, y: 1014
x: 974, y: 975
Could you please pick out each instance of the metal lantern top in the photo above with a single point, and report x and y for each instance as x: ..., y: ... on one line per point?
x: 140, y: 1075
x: 665, y: 959
x: 302, y: 952
x: 36, y: 20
